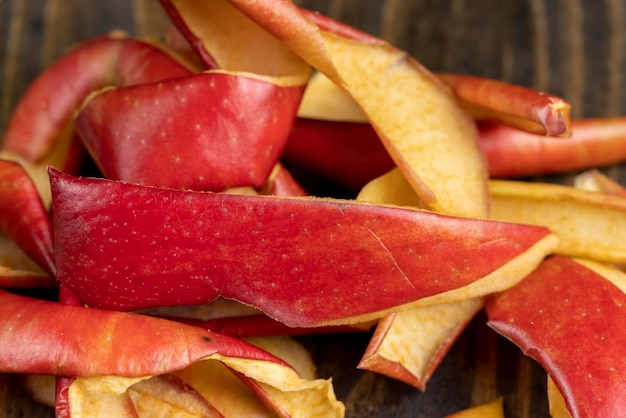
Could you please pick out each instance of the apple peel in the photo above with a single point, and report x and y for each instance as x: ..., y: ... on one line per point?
x: 40, y: 134
x: 215, y: 130
x: 517, y: 106
x: 172, y: 247
x: 169, y: 396
x: 90, y: 342
x: 595, y: 180
x: 409, y: 345
x: 23, y: 217
x: 17, y: 270
x: 511, y: 152
x: 101, y: 355
x: 566, y: 301
x: 589, y: 224
x: 224, y: 38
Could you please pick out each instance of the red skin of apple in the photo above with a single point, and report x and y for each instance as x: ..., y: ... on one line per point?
x: 594, y: 142
x: 570, y: 320
x: 349, y: 153
x: 214, y: 130
x: 48, y: 104
x: 530, y: 110
x: 44, y: 337
x: 126, y: 247
x: 23, y: 217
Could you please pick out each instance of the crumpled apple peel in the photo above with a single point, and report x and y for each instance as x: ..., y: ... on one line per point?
x: 169, y: 396
x: 231, y: 392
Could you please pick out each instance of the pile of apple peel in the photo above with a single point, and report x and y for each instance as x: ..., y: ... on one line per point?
x: 187, y: 263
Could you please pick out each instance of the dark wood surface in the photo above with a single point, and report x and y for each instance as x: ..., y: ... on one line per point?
x: 571, y: 48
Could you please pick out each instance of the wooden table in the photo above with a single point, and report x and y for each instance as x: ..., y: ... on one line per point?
x: 572, y: 48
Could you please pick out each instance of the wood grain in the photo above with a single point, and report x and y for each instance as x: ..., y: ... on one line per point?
x: 574, y: 48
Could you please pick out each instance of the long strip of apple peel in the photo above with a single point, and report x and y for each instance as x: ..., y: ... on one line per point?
x: 85, y: 342
x: 511, y: 152
x: 155, y: 247
x: 429, y: 136
x: 432, y: 141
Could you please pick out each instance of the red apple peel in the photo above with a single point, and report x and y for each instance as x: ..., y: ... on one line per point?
x: 563, y: 315
x: 156, y: 247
